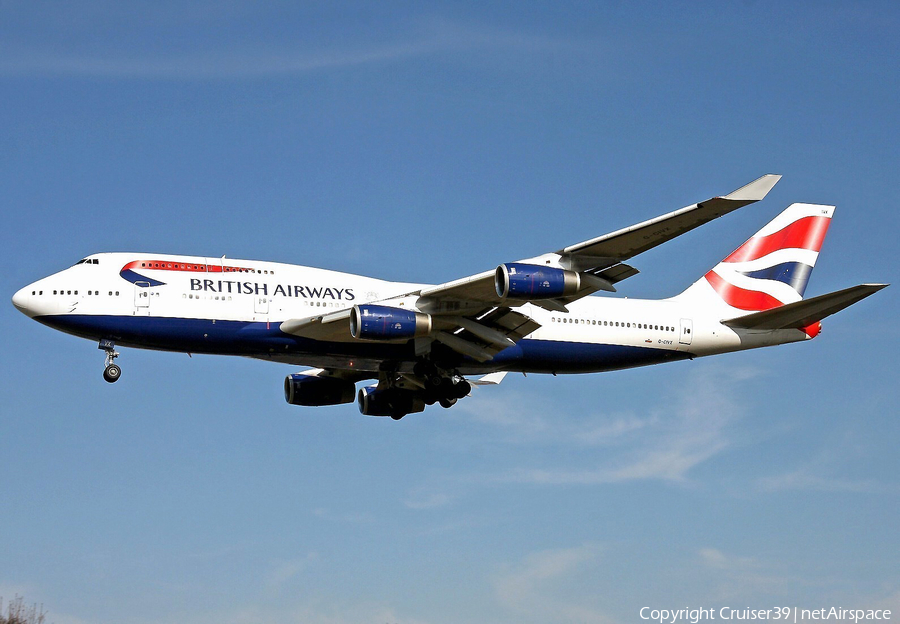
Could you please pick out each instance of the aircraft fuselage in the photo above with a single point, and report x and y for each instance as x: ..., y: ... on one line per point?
x: 235, y: 307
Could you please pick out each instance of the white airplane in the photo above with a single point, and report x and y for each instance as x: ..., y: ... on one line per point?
x: 421, y: 341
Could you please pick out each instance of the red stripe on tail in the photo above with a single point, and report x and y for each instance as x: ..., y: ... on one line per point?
x: 740, y: 298
x: 806, y: 233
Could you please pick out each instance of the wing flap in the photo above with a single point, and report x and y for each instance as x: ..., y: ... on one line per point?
x: 616, y: 273
x: 487, y: 336
x: 325, y: 327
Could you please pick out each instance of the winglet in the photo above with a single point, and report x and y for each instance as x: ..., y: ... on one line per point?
x: 756, y: 190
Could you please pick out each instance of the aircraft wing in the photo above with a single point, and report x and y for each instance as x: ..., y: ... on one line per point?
x: 631, y: 241
x: 602, y: 257
x: 472, y: 318
x: 480, y: 334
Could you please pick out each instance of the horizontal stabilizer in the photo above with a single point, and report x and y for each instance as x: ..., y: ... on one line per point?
x: 804, y: 313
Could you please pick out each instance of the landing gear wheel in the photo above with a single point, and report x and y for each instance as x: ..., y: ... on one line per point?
x: 447, y: 402
x: 427, y: 372
x: 446, y: 388
x: 462, y: 389
x: 112, y: 373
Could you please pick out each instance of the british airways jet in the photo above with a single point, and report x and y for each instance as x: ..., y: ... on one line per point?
x: 419, y: 343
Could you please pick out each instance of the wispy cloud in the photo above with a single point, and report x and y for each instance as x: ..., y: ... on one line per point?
x: 212, y: 65
x: 664, y: 444
x: 427, y: 500
x: 286, y: 571
x: 534, y: 587
x: 348, y: 517
x: 264, y: 59
x: 823, y: 473
x: 739, y: 576
x: 811, y: 478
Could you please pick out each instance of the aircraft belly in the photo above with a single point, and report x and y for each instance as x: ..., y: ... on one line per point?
x: 255, y: 339
x: 551, y: 356
x: 266, y: 341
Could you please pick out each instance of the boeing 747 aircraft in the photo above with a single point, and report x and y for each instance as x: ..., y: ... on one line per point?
x: 421, y: 342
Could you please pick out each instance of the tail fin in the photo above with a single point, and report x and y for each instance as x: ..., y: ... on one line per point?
x: 772, y: 268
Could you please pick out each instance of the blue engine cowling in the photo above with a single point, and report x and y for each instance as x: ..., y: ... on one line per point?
x: 531, y: 281
x: 390, y: 402
x: 377, y: 322
x: 315, y: 391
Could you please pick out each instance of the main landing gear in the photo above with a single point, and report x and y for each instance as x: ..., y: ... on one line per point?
x: 443, y: 389
x: 112, y: 372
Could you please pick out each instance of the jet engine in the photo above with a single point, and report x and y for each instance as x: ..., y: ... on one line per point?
x: 391, y: 402
x: 530, y: 281
x: 315, y: 391
x: 376, y: 322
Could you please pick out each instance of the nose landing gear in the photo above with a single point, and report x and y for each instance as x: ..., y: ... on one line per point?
x: 112, y: 372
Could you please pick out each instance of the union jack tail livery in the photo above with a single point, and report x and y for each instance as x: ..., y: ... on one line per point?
x: 772, y: 268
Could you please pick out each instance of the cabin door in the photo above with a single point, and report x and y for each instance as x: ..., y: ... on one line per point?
x: 260, y: 305
x: 687, y: 330
x: 142, y: 297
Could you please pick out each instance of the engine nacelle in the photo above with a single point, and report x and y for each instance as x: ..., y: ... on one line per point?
x: 531, y: 281
x: 315, y: 391
x: 390, y: 402
x: 377, y: 322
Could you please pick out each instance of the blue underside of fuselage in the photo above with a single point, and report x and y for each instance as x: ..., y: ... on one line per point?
x: 261, y: 339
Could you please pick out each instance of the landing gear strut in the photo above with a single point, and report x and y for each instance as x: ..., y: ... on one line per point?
x: 112, y: 372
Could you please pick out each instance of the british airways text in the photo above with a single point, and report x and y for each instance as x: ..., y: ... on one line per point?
x: 285, y: 290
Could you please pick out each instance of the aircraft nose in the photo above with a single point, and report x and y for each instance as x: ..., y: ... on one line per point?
x: 22, y: 299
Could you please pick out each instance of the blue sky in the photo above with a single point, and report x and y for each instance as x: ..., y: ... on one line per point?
x: 425, y: 142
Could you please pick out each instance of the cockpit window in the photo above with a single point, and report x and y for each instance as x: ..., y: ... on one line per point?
x: 88, y: 261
